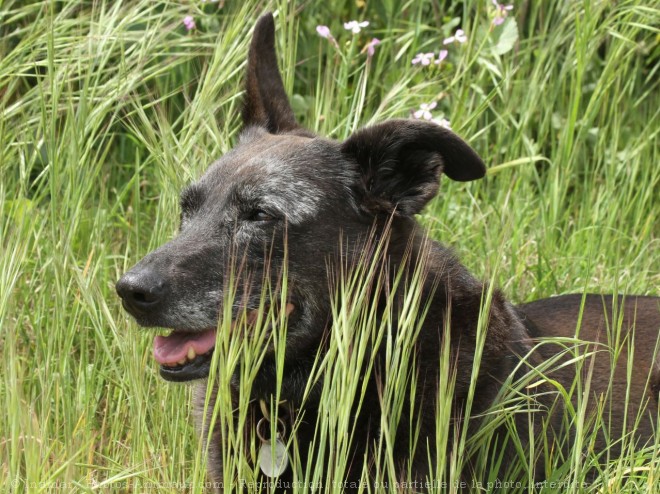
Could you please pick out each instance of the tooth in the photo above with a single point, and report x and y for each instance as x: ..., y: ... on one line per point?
x: 182, y: 361
x: 191, y: 353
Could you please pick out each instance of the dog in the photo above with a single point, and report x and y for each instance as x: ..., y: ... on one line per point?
x: 285, y: 197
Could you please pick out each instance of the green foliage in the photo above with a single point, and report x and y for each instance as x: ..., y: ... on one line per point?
x: 108, y: 108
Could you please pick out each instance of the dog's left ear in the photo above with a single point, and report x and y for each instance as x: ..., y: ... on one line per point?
x: 266, y: 103
x: 400, y: 162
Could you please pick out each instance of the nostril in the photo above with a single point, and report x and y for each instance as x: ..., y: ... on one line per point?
x: 141, y: 289
x: 145, y: 298
x: 141, y: 299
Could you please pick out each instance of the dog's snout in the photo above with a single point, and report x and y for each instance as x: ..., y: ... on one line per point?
x: 142, y: 290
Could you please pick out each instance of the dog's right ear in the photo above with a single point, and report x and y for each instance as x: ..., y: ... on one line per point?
x: 400, y: 163
x: 266, y: 104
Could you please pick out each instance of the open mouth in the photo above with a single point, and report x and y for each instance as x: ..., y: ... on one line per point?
x: 186, y: 355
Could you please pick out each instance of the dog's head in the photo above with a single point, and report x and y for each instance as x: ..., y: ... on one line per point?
x: 281, y: 193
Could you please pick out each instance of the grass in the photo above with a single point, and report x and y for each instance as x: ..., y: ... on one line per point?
x: 108, y: 108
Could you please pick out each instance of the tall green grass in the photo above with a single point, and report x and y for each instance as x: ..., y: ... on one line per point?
x: 108, y: 108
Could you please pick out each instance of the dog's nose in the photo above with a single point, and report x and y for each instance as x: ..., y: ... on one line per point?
x: 141, y: 290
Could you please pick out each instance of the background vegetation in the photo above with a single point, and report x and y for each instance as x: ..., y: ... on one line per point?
x: 108, y: 108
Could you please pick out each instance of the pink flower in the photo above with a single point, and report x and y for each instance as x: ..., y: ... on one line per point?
x: 355, y: 26
x: 423, y: 58
x: 424, y: 111
x: 458, y: 36
x: 371, y: 47
x: 189, y: 22
x: 441, y: 56
x: 324, y: 32
x: 501, y: 11
x: 442, y: 122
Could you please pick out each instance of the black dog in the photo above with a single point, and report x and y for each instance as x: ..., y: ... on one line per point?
x: 284, y: 196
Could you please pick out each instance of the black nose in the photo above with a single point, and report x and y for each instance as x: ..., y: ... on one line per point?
x: 141, y: 290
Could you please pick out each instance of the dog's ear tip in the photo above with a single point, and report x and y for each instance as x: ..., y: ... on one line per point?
x: 474, y: 169
x: 462, y: 163
x: 265, y: 23
x: 264, y: 32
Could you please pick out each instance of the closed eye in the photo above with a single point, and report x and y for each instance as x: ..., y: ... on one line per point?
x: 260, y: 215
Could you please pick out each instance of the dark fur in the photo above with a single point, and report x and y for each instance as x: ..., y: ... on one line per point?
x: 283, y: 183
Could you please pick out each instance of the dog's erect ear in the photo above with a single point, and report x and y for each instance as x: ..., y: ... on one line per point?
x: 266, y: 103
x: 401, y: 161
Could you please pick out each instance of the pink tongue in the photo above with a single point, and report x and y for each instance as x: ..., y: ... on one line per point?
x: 174, y: 348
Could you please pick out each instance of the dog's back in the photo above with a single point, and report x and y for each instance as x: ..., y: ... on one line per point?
x: 621, y: 371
